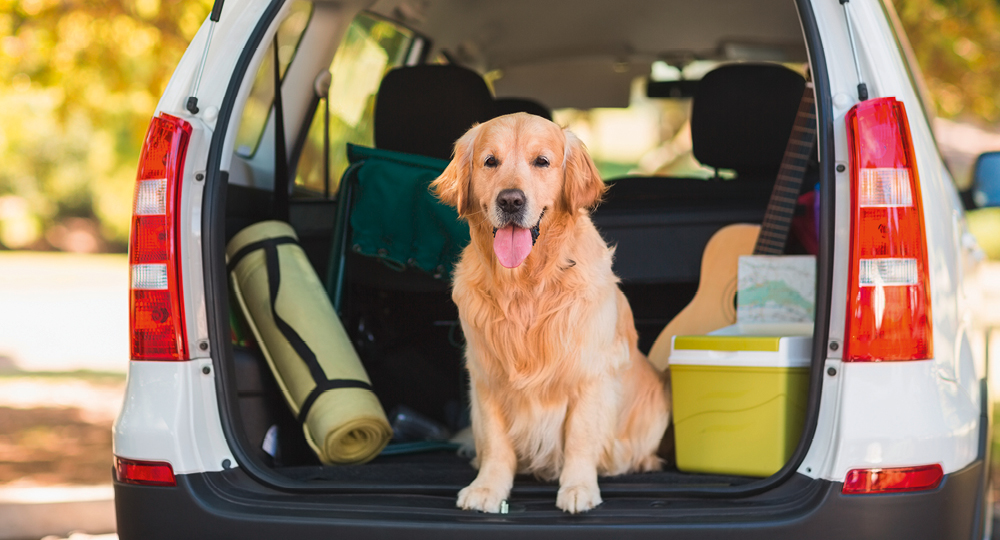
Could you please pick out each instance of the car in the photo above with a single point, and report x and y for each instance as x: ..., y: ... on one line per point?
x: 689, y: 110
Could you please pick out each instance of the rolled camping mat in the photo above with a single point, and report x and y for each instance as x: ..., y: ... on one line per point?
x: 306, y: 345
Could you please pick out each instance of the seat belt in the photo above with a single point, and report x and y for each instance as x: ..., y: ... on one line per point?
x: 279, y: 210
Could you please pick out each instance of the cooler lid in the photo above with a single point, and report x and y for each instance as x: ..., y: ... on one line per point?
x: 747, y: 351
x: 728, y: 343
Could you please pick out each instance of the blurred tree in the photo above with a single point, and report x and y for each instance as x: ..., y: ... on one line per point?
x: 79, y: 80
x: 957, y: 44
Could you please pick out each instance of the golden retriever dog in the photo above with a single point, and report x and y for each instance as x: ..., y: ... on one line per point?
x: 559, y: 388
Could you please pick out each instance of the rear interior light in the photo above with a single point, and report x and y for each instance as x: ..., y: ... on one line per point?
x: 889, y: 308
x: 893, y: 480
x: 144, y: 473
x: 156, y: 310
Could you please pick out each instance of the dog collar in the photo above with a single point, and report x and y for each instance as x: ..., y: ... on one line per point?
x: 534, y: 230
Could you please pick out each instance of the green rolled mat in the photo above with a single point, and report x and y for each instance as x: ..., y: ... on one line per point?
x: 306, y: 345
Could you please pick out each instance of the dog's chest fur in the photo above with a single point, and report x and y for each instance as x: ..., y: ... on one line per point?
x: 531, y: 334
x: 534, y: 367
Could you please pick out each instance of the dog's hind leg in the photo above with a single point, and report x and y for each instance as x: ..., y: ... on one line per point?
x: 645, y: 416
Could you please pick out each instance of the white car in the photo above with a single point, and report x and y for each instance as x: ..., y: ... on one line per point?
x: 687, y: 107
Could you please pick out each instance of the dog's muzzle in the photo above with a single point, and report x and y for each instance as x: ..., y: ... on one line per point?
x: 534, y: 230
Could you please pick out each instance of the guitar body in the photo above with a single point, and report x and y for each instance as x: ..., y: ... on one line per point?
x: 713, y: 305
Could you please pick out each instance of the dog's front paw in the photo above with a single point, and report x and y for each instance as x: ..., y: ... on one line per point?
x: 477, y: 496
x: 578, y: 498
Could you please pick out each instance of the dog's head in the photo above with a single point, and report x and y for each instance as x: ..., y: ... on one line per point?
x: 512, y: 172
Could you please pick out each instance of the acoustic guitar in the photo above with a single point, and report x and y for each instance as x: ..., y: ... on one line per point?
x: 713, y: 306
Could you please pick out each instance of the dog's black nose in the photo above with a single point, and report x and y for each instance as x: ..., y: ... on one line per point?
x: 511, y: 201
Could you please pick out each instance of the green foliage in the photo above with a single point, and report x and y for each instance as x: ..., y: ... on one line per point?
x: 957, y: 45
x: 79, y: 80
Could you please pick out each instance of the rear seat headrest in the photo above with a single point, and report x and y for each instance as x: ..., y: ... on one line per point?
x: 425, y: 109
x: 502, y: 106
x: 742, y: 117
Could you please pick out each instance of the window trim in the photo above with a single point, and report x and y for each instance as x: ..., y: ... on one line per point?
x: 305, y: 192
x: 270, y: 110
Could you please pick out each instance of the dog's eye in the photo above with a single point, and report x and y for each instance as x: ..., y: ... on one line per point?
x: 541, y: 161
x: 491, y: 162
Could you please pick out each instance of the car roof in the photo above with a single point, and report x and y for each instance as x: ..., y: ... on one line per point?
x: 558, y: 48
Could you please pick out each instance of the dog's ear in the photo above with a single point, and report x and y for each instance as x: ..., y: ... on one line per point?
x: 454, y: 186
x: 582, y: 184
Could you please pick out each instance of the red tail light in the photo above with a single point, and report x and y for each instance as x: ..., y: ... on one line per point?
x: 144, y: 473
x: 889, y: 308
x: 893, y: 480
x: 156, y: 318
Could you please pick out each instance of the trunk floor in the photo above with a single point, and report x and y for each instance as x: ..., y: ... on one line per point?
x: 445, y: 469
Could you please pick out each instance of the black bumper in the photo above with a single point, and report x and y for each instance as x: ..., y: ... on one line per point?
x: 230, y: 505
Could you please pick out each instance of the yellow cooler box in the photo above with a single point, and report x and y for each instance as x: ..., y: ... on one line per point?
x: 739, y: 401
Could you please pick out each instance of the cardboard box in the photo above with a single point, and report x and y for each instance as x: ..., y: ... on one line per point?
x: 776, y: 291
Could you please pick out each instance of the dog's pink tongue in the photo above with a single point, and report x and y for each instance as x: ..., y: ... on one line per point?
x: 512, y: 245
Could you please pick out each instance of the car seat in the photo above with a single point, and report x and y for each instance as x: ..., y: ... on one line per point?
x: 502, y: 106
x: 742, y: 116
x: 425, y: 109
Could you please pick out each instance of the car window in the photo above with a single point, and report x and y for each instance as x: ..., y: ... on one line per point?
x: 259, y: 103
x: 370, y: 48
x: 650, y: 137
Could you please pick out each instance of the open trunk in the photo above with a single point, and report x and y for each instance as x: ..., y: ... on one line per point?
x: 404, y: 325
x: 410, y: 343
